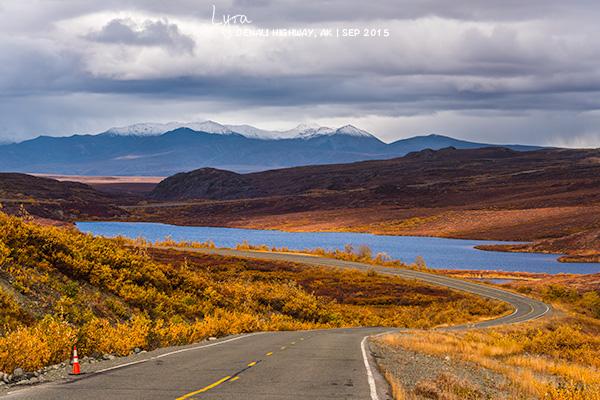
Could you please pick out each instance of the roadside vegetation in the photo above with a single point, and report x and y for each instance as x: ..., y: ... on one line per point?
x: 362, y: 253
x: 553, y: 358
x: 60, y: 287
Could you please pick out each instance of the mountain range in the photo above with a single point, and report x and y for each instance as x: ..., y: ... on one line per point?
x: 165, y: 149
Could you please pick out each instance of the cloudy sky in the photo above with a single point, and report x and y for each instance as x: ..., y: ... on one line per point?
x: 495, y: 71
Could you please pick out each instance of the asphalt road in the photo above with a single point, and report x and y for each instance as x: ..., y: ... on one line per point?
x: 319, y: 364
x: 525, y: 308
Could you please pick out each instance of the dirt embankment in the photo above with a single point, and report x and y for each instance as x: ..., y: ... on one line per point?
x: 577, y: 247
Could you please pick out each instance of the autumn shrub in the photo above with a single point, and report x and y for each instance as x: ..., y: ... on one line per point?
x: 99, y: 336
x: 111, y: 296
x: 583, y: 301
x: 174, y: 332
x: 362, y: 254
x: 571, y: 391
x: 4, y: 252
x: 49, y: 341
x: 12, y: 315
x: 591, y: 301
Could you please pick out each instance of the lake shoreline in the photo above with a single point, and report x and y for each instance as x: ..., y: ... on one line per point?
x: 439, y: 253
x: 566, y: 257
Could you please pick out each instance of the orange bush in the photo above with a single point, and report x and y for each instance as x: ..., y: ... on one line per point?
x: 111, y: 297
x: 30, y: 348
x: 99, y: 336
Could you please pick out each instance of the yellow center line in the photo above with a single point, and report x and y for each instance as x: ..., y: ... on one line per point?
x: 270, y: 353
x: 282, y: 347
x: 217, y: 383
x: 204, y: 389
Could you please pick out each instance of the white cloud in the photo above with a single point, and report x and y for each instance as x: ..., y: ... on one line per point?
x: 158, y: 33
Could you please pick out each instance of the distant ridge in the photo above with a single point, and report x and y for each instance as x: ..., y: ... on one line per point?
x: 165, y: 149
x: 418, y: 178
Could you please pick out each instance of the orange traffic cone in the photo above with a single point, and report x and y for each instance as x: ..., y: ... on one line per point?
x: 76, y: 369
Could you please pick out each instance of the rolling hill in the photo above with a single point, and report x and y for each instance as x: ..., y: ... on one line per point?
x: 486, y: 193
x: 444, y: 177
x: 55, y: 200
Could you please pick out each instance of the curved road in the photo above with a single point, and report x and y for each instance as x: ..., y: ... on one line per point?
x: 526, y: 309
x: 318, y: 364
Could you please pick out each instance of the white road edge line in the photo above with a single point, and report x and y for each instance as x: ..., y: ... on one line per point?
x: 25, y: 389
x: 544, y: 313
x: 370, y: 378
x: 176, y: 352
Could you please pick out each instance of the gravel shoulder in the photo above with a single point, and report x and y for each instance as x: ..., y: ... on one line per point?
x: 422, y: 376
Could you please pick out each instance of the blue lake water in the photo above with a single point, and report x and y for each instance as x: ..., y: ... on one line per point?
x: 438, y: 253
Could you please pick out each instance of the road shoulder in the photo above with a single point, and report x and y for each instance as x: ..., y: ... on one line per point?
x: 423, y: 376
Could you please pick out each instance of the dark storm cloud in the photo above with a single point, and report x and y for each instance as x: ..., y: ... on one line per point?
x: 491, y: 59
x: 277, y: 11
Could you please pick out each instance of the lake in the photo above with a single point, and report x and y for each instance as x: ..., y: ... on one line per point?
x: 438, y: 253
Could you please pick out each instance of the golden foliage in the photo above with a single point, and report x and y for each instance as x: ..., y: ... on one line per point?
x: 4, y: 252
x: 111, y: 297
x: 363, y: 254
x: 12, y: 315
x: 30, y: 348
x: 99, y: 336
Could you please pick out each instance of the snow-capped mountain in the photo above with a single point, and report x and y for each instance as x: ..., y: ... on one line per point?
x: 253, y: 132
x: 305, y: 131
x: 150, y: 129
x: 302, y: 131
x: 351, y: 130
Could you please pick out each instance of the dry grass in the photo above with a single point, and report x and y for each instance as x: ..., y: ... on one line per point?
x: 448, y: 387
x: 445, y: 386
x: 398, y: 391
x: 555, y: 359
